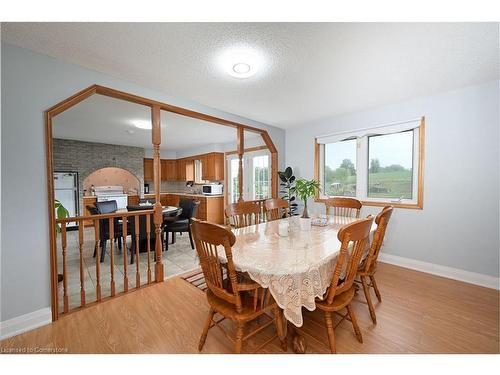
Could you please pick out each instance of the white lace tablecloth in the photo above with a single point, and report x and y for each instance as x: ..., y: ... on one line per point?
x: 297, y: 268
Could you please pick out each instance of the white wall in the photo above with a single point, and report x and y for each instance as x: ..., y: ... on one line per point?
x: 32, y: 83
x: 459, y: 225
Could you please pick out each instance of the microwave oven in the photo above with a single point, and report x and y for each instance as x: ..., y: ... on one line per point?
x: 213, y: 189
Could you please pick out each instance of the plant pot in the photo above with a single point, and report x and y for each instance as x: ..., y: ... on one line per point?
x: 305, y: 223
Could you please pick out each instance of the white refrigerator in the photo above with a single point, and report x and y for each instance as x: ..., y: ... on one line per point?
x: 66, y: 192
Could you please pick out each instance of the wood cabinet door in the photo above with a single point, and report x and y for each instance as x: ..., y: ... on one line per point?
x: 189, y: 175
x: 133, y: 200
x: 172, y: 200
x: 168, y: 170
x: 163, y: 199
x: 148, y: 170
x: 201, y: 214
x: 218, y: 166
x: 171, y: 170
x: 88, y: 201
x: 208, y: 167
x: 164, y: 168
x: 181, y: 170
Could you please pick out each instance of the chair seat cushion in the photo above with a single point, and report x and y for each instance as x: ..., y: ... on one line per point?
x: 228, y: 310
x: 178, y: 224
x: 339, y: 301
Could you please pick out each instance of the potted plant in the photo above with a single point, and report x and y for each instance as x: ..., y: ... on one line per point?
x: 288, y: 186
x: 306, y: 189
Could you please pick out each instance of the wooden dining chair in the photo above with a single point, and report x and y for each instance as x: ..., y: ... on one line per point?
x: 353, y: 238
x: 236, y: 300
x: 276, y: 209
x: 368, y: 266
x: 243, y: 214
x: 348, y: 207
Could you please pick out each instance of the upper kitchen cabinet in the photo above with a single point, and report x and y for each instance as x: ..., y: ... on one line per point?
x: 148, y: 170
x: 190, y: 170
x: 185, y: 170
x: 169, y: 170
x: 213, y: 166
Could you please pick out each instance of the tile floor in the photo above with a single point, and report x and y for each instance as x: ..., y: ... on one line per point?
x: 179, y: 258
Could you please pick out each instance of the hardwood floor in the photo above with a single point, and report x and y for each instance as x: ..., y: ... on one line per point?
x: 419, y: 313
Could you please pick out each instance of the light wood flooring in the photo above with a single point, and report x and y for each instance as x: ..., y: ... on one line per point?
x: 179, y: 259
x: 419, y: 313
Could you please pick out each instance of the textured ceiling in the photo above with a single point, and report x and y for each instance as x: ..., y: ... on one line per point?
x: 108, y: 120
x: 309, y: 71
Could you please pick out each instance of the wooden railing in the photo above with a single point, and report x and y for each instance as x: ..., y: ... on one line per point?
x: 118, y: 228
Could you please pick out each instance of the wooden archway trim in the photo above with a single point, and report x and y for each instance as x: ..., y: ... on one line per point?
x: 156, y: 107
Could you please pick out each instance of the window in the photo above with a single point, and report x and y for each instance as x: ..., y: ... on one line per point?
x: 340, y: 168
x: 256, y: 176
x: 390, y: 172
x: 233, y: 179
x: 260, y: 181
x: 377, y: 166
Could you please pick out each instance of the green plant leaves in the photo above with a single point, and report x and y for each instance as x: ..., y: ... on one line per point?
x: 61, y: 213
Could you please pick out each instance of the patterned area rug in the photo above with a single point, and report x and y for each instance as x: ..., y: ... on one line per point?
x: 196, y: 279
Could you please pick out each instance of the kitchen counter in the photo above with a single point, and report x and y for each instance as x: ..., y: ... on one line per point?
x: 150, y: 195
x: 211, y: 207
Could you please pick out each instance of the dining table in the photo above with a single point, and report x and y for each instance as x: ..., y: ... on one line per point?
x: 168, y: 211
x: 296, y: 265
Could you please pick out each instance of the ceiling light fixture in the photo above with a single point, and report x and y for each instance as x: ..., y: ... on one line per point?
x: 241, y: 68
x: 142, y: 124
x: 241, y: 62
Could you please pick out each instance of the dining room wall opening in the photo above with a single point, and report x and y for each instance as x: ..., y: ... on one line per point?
x: 113, y: 138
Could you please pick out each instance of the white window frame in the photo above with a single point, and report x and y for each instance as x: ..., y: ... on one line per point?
x: 362, y: 165
x: 248, y: 186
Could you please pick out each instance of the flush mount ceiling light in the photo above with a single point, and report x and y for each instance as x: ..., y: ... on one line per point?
x: 142, y: 124
x: 241, y: 68
x: 241, y: 62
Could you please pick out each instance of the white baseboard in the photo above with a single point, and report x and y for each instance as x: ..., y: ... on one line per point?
x: 24, y: 323
x: 448, y: 272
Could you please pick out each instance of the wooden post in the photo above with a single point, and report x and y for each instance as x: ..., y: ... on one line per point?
x: 274, y: 163
x: 240, y: 149
x: 158, y: 215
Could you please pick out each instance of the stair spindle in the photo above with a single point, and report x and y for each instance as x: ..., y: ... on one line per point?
x: 112, y: 254
x: 148, y: 232
x: 65, y: 267
x: 82, y: 277
x: 98, y: 262
x: 125, y: 251
x: 137, y: 274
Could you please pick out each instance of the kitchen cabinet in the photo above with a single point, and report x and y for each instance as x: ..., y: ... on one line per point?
x: 88, y: 201
x: 148, y: 170
x: 190, y: 170
x: 133, y: 200
x: 172, y: 200
x: 164, y: 200
x: 168, y: 170
x: 185, y: 169
x: 213, y: 166
x: 181, y: 170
